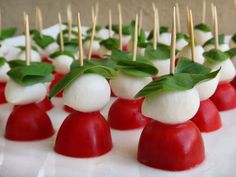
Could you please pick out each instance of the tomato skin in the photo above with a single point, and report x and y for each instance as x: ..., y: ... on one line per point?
x: 2, y: 93
x: 28, y: 123
x: 207, y: 118
x: 127, y: 115
x: 171, y: 147
x: 125, y: 48
x: 57, y: 77
x: 83, y: 135
x: 224, y: 97
x: 233, y: 82
x: 68, y: 109
x: 45, y: 104
x: 96, y: 56
x: 45, y: 59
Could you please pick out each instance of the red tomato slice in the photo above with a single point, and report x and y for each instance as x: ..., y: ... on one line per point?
x: 126, y: 114
x: 57, y: 77
x: 45, y: 104
x: 2, y: 93
x: 84, y: 135
x: 207, y: 118
x: 28, y: 123
x: 45, y: 59
x: 68, y: 109
x: 171, y: 147
x: 233, y: 82
x: 224, y: 97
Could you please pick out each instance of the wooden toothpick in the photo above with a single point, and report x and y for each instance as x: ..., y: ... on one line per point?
x: 93, y: 13
x: 61, y: 33
x: 0, y: 22
x: 215, y: 26
x: 188, y: 20
x: 158, y: 25
x: 27, y: 40
x: 173, y: 43
x: 155, y: 29
x: 203, y: 11
x: 80, y: 43
x: 212, y: 13
x: 110, y: 24
x: 135, y: 42
x: 39, y: 20
x: 140, y: 20
x: 97, y: 10
x: 120, y: 25
x: 191, y: 35
x: 178, y: 18
x: 153, y: 6
x: 92, y: 38
x: 69, y: 20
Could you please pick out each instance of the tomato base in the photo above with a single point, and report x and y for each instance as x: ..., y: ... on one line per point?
x: 171, y: 147
x: 207, y: 118
x: 68, y: 109
x: 127, y: 115
x: 45, y: 59
x: 83, y: 135
x: 45, y: 104
x: 233, y: 82
x: 224, y: 97
x: 28, y: 123
x: 57, y: 78
x: 2, y: 93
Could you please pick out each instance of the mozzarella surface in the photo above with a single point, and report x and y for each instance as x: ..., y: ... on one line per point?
x: 62, y: 63
x: 20, y: 95
x: 222, y: 47
x: 163, y: 66
x: 186, y: 52
x: 165, y: 38
x: 180, y: 44
x: 35, y: 57
x: 95, y: 47
x: 201, y: 37
x: 88, y: 93
x: 127, y: 87
x: 172, y: 107
x: 125, y: 38
x: 3, y: 72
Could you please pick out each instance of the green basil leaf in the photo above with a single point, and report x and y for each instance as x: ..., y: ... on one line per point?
x: 124, y: 55
x: 126, y: 29
x: 180, y: 36
x: 212, y: 40
x: 76, y: 72
x: 71, y: 47
x: 22, y: 48
x: 215, y: 56
x: 185, y: 65
x: 88, y: 38
x: 163, y: 29
x: 231, y: 52
x: 16, y: 63
x: 175, y: 82
x: 74, y: 37
x: 7, y: 33
x: 202, y: 27
x: 97, y: 28
x: 2, y: 61
x: 65, y: 52
x: 32, y: 74
x: 161, y: 53
x: 110, y: 43
x: 42, y: 41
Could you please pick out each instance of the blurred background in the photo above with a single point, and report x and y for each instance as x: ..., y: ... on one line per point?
x: 12, y: 11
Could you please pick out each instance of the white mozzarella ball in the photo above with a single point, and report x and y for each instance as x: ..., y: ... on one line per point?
x: 163, y: 66
x: 172, y: 107
x: 207, y: 88
x: 222, y: 47
x: 51, y: 48
x: 180, y: 44
x: 3, y: 72
x: 95, y: 46
x: 12, y: 53
x: 88, y: 93
x: 227, y: 39
x: 125, y: 38
x: 165, y: 38
x: 35, y: 57
x: 62, y: 63
x: 104, y: 33
x: 20, y: 95
x: 127, y: 87
x: 4, y: 49
x: 227, y: 71
x: 186, y: 52
x: 201, y: 37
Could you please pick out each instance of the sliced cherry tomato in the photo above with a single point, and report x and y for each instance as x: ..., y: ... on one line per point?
x: 84, y: 135
x: 45, y: 104
x: 68, y: 109
x: 2, y: 93
x: 171, y: 147
x: 207, y: 117
x: 233, y: 82
x: 126, y: 114
x: 224, y: 97
x: 45, y: 59
x: 97, y: 56
x: 28, y: 123
x: 57, y: 77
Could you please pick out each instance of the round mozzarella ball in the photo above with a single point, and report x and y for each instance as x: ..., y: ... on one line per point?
x: 20, y: 95
x: 180, y: 44
x: 172, y: 107
x: 186, y: 52
x: 227, y: 71
x: 12, y: 53
x: 4, y: 49
x: 165, y: 38
x: 227, y: 39
x: 62, y: 63
x: 3, y: 72
x: 201, y: 37
x: 51, y: 48
x: 127, y: 87
x: 35, y: 57
x: 104, y: 33
x: 125, y: 39
x: 207, y: 88
x: 88, y: 93
x: 95, y: 46
x: 163, y: 66
x: 222, y: 47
